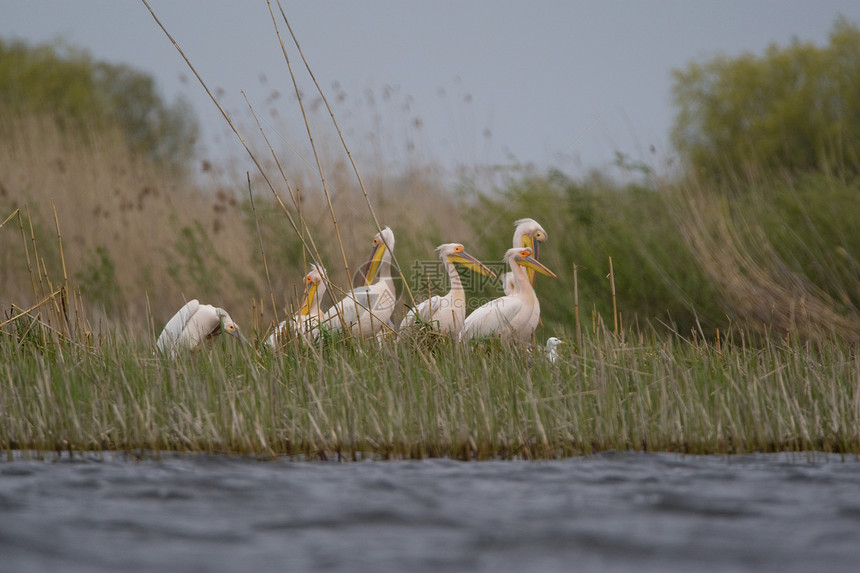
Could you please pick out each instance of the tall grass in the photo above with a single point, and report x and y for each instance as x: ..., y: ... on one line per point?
x: 416, y: 399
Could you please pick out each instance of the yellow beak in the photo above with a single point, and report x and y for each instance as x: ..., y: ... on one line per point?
x: 471, y: 263
x: 308, y: 299
x: 533, y: 264
x: 373, y: 264
x: 529, y: 241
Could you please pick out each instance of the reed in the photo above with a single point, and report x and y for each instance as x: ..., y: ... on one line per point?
x: 424, y: 397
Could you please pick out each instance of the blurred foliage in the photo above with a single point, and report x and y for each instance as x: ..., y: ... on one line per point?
x: 811, y: 223
x: 796, y: 108
x: 84, y: 95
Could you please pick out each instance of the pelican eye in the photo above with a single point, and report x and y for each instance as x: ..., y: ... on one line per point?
x: 526, y: 253
x: 375, y: 242
x: 309, y: 280
x: 458, y: 249
x: 540, y: 236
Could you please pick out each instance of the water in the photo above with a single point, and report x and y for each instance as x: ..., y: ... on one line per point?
x: 610, y: 512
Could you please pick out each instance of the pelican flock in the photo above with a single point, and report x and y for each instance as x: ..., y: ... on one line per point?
x: 447, y: 313
x: 365, y: 311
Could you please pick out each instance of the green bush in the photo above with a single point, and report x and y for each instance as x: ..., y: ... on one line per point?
x: 795, y: 108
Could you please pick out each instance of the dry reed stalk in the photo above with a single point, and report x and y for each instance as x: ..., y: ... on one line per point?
x: 65, y: 289
x: 311, y: 140
x: 342, y: 139
x: 262, y: 250
x: 229, y: 122
x: 9, y: 218
x: 32, y: 308
x: 27, y: 254
x: 294, y: 196
x: 576, y: 307
x: 614, y: 306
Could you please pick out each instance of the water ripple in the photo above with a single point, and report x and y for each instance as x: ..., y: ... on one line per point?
x: 610, y: 512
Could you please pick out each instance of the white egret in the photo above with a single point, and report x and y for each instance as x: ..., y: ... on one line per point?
x: 552, y: 348
x: 529, y: 233
x: 194, y: 325
x: 367, y: 310
x: 309, y: 314
x: 514, y: 316
x: 447, y: 313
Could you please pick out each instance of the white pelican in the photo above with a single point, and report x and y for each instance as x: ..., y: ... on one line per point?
x: 551, y: 348
x: 309, y: 313
x: 447, y: 313
x: 529, y: 233
x: 514, y: 316
x: 367, y: 311
x: 193, y: 325
x: 507, y: 282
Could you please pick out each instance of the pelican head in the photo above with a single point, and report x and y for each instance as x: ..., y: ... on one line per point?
x: 383, y: 243
x: 529, y: 233
x: 227, y: 324
x: 456, y: 253
x: 314, y: 283
x: 523, y: 257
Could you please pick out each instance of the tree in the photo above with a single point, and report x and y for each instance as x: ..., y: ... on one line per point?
x: 81, y: 94
x: 795, y: 108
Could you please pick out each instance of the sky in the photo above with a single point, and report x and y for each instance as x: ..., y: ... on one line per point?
x: 561, y: 84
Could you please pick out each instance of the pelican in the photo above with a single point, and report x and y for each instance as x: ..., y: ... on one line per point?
x: 309, y: 313
x: 507, y: 282
x: 514, y: 316
x: 551, y: 348
x: 194, y: 325
x: 529, y: 233
x: 367, y: 311
x: 448, y: 312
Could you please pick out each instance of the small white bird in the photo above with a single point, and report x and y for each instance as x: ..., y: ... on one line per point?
x: 194, y: 325
x: 367, y: 310
x: 552, y: 348
x: 309, y: 314
x: 529, y: 233
x: 447, y: 313
x: 514, y: 316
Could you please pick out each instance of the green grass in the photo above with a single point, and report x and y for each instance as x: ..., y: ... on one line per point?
x: 421, y: 398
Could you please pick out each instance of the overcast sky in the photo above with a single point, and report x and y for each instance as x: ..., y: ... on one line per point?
x: 563, y: 84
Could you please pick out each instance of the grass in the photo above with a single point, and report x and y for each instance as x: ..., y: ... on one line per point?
x: 431, y: 397
x: 733, y: 322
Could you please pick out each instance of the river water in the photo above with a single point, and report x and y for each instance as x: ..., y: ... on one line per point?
x: 608, y: 512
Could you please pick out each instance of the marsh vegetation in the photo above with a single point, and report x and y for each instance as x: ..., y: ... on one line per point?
x: 728, y: 321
